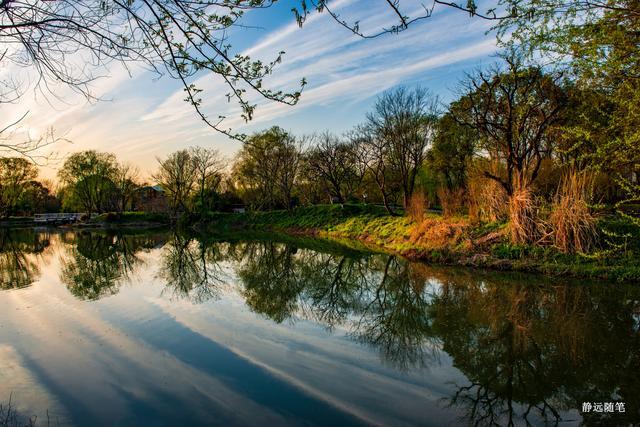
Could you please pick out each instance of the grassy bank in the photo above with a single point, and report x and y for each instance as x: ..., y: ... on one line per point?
x: 450, y: 241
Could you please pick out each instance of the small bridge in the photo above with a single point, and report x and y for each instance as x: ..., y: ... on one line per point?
x: 57, y: 218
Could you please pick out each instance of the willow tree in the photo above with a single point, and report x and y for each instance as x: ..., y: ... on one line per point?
x: 15, y: 175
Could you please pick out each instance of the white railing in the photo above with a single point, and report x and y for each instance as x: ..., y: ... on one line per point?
x: 57, y: 217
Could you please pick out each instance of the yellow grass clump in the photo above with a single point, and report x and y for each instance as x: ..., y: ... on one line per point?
x: 487, y: 200
x: 571, y: 222
x: 439, y: 233
x: 524, y: 224
x: 452, y: 201
x: 418, y: 205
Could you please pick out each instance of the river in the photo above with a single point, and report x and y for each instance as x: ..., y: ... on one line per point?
x: 165, y: 329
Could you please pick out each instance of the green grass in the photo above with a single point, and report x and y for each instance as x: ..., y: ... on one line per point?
x: 310, y: 218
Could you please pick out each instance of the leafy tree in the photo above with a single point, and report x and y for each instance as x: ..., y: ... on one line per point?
x: 452, y: 149
x: 15, y: 174
x: 597, y: 43
x: 89, y: 177
x: 267, y: 168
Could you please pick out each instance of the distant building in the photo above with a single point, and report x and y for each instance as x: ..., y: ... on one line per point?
x: 151, y: 198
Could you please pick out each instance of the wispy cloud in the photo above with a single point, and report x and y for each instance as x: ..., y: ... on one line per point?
x: 146, y: 119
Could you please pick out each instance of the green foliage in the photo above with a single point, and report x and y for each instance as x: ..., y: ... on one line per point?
x: 451, y: 151
x: 88, y: 177
x: 267, y: 169
x: 510, y: 251
x: 16, y: 175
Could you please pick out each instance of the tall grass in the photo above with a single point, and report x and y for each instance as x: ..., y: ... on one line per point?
x: 418, y: 205
x: 452, y: 201
x: 487, y: 200
x: 524, y: 223
x: 571, y: 222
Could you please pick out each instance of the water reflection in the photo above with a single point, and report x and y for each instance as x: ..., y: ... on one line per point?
x: 530, y: 349
x: 191, y: 268
x: 97, y: 264
x: 19, y: 257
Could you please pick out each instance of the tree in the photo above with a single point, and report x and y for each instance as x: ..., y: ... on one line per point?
x: 177, y: 175
x: 15, y: 174
x: 333, y: 162
x: 403, y: 121
x: 126, y: 182
x: 267, y: 168
x: 89, y: 178
x: 209, y: 166
x: 371, y: 153
x: 597, y: 43
x: 180, y: 38
x: 513, y: 110
x: 452, y: 149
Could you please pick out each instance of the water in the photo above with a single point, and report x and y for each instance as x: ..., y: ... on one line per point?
x: 164, y: 329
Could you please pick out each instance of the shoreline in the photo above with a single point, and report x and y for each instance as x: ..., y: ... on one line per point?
x: 438, y: 240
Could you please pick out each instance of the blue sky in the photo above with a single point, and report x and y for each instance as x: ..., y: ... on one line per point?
x: 142, y: 117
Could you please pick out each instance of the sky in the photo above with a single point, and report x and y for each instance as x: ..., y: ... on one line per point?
x: 141, y: 117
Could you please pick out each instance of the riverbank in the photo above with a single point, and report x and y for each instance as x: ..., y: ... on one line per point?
x: 446, y: 241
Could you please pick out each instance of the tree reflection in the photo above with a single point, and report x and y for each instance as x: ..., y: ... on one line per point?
x: 272, y: 279
x: 537, y: 350
x: 96, y: 264
x: 19, y: 265
x: 395, y: 319
x: 191, y: 269
x: 532, y: 349
x: 379, y: 295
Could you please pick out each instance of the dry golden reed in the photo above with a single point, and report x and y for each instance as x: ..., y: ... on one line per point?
x: 452, y: 201
x: 571, y: 222
x: 418, y: 205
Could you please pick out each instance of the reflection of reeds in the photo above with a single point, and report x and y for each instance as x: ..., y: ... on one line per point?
x: 9, y: 417
x: 571, y: 222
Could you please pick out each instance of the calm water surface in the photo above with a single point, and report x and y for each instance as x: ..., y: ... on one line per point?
x: 163, y: 329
